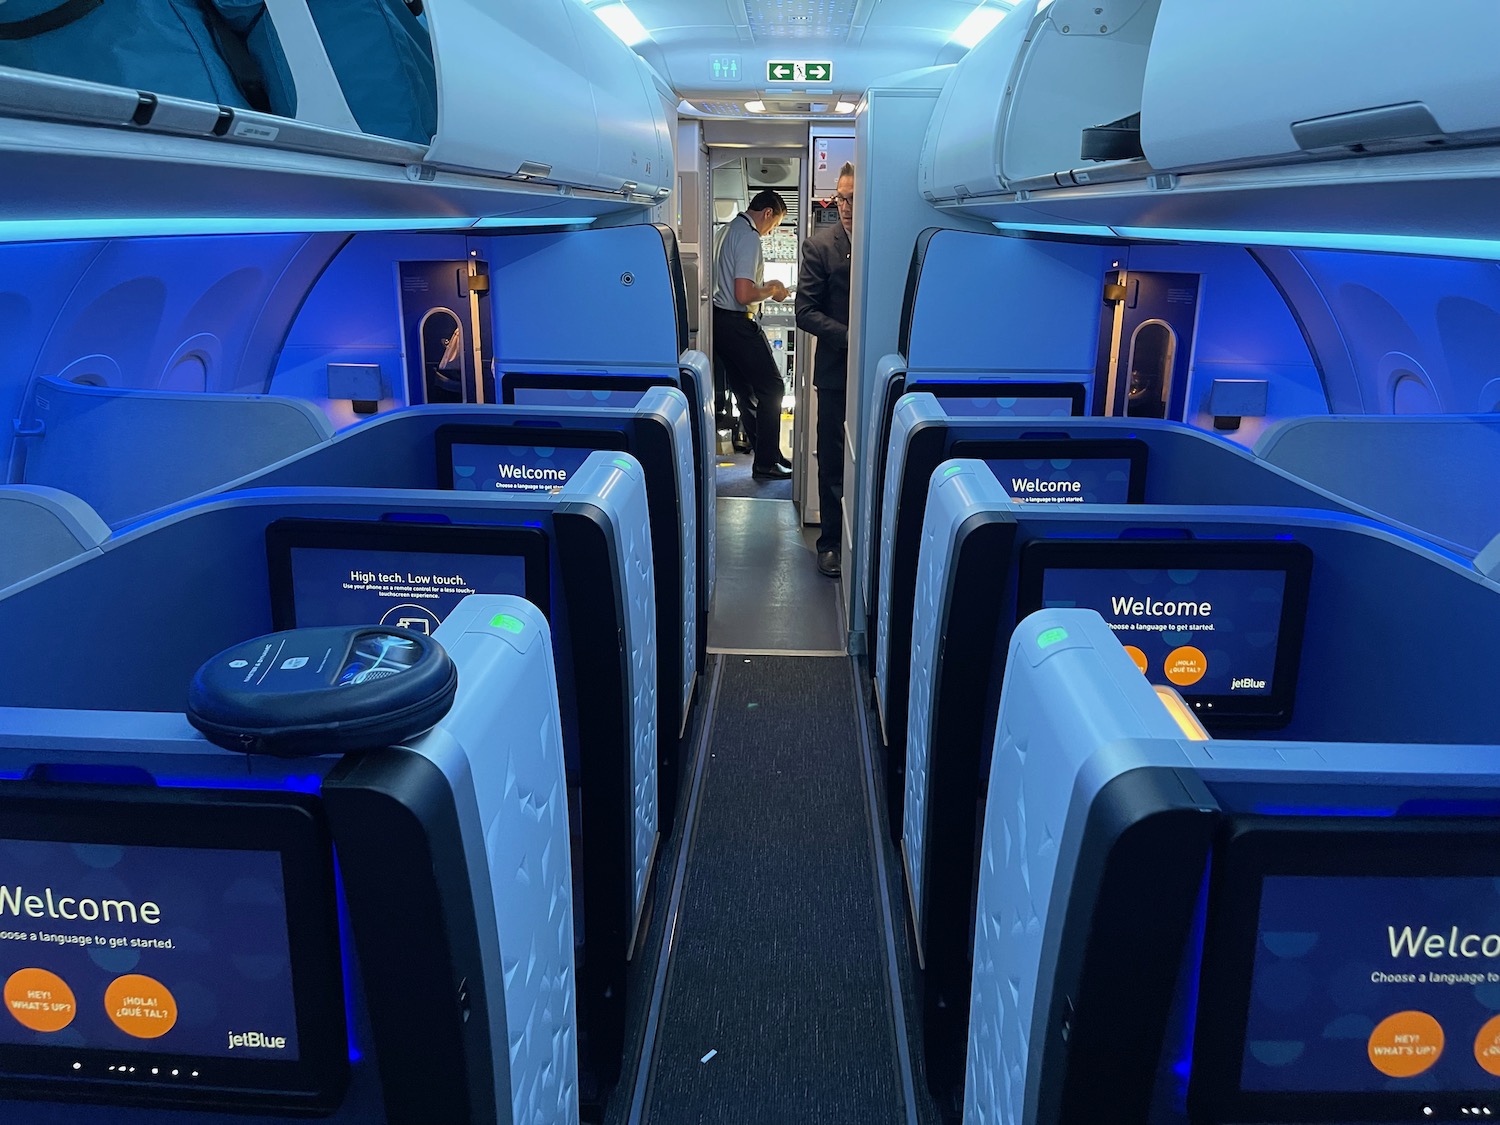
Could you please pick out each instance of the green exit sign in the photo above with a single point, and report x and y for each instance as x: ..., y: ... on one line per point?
x: 790, y: 71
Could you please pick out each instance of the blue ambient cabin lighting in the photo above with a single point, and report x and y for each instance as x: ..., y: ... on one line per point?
x: 71, y: 229
x: 1406, y: 244
x: 1264, y: 809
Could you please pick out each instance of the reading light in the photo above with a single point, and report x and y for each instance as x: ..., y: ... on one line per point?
x: 977, y: 24
x: 622, y: 21
x: 844, y: 107
x: 756, y: 106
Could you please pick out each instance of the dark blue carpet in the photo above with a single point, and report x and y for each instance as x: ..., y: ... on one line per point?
x: 779, y: 962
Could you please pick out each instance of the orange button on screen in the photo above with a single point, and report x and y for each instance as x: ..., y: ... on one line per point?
x: 1487, y: 1046
x: 1405, y: 1044
x: 40, y: 1000
x: 1138, y: 656
x: 140, y: 1006
x: 1186, y: 666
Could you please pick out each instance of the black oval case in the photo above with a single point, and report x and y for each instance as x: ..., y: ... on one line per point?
x: 304, y: 692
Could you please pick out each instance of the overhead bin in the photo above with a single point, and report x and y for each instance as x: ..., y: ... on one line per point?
x: 1229, y: 84
x: 546, y: 91
x: 1281, y: 117
x: 529, y: 110
x: 1016, y: 106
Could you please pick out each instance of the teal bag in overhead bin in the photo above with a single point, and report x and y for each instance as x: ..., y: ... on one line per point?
x: 382, y: 56
x: 161, y: 46
x: 227, y: 52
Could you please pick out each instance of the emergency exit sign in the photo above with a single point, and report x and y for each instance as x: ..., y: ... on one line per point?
x: 788, y: 71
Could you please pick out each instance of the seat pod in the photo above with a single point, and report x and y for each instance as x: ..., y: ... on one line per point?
x: 312, y: 691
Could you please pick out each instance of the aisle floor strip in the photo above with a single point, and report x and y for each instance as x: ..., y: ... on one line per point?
x: 882, y: 882
x: 674, y: 907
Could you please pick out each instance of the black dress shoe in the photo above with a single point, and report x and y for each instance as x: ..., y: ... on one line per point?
x: 771, y: 472
x: 786, y: 462
x: 828, y: 563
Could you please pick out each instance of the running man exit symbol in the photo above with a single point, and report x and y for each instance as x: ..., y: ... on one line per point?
x: 789, y: 71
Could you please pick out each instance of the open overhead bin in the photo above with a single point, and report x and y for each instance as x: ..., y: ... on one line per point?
x: 322, y: 110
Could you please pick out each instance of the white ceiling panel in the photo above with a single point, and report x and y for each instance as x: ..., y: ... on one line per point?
x: 865, y: 40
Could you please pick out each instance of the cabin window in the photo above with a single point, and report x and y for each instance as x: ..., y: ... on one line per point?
x: 1410, y: 394
x: 1410, y: 389
x: 92, y: 371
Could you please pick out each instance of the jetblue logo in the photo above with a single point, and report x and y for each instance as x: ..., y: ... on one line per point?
x: 1247, y: 684
x: 257, y: 1039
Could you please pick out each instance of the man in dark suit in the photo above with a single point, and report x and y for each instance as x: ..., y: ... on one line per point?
x: 823, y: 311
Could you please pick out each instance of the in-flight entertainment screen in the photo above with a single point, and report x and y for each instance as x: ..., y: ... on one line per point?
x: 1220, y: 622
x: 1353, y: 962
x: 512, y: 458
x: 1064, y: 472
x: 521, y: 388
x: 124, y: 945
x: 181, y: 967
x: 404, y: 576
x: 1003, y: 399
x: 514, y: 468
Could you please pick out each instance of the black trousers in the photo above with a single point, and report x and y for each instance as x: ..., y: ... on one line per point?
x: 741, y: 346
x: 831, y: 404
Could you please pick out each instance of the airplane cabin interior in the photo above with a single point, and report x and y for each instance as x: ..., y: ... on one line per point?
x: 431, y: 703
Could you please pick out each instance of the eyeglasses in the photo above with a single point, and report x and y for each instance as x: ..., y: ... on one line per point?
x: 843, y: 200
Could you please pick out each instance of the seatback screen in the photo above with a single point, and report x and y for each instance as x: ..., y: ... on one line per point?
x: 1005, y: 406
x: 514, y: 468
x: 1350, y: 971
x: 403, y: 576
x: 517, y: 458
x: 521, y: 388
x: 1221, y: 623
x: 1358, y: 981
x: 1064, y: 472
x: 117, y: 947
x: 565, y: 396
x: 996, y: 398
x: 172, y: 947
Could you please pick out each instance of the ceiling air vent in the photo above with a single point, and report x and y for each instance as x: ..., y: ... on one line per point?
x: 723, y: 109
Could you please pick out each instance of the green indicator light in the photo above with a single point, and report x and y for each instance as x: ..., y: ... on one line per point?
x: 1051, y: 637
x: 508, y: 623
x: 953, y: 469
x: 624, y: 464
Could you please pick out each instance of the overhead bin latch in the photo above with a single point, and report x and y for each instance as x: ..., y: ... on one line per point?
x: 534, y: 169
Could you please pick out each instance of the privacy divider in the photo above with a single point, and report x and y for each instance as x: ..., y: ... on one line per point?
x: 127, y: 452
x: 1180, y: 465
x: 1411, y: 470
x: 979, y: 573
x: 163, y: 597
x: 426, y: 447
x: 1101, y: 809
x: 428, y: 972
x: 42, y: 527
